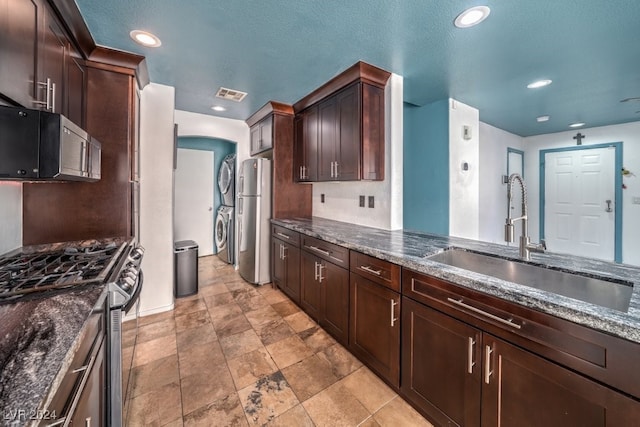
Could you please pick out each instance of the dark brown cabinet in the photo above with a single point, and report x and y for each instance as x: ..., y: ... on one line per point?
x: 324, y: 287
x: 458, y: 373
x: 262, y: 136
x: 52, y: 55
x: 341, y: 128
x: 91, y: 407
x: 285, y: 254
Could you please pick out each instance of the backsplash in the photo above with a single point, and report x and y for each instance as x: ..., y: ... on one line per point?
x: 10, y: 215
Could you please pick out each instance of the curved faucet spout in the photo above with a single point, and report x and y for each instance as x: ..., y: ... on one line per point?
x: 526, y: 247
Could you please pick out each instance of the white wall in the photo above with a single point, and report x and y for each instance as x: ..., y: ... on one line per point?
x: 156, y: 196
x: 342, y: 199
x: 10, y: 215
x: 493, y: 193
x: 464, y: 185
x: 629, y: 134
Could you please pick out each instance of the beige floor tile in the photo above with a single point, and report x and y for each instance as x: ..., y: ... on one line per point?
x: 370, y: 390
x: 156, y: 407
x: 174, y: 423
x: 201, y: 358
x: 153, y: 375
x: 156, y: 330
x: 152, y: 318
x: 262, y: 316
x: 400, y: 413
x: 224, y: 312
x: 273, y: 296
x: 300, y: 321
x: 199, y: 390
x: 296, y: 416
x: 218, y: 299
x: 186, y: 306
x: 309, y: 377
x: 317, y: 339
x: 239, y: 344
x: 154, y: 350
x: 249, y: 302
x: 370, y: 422
x: 249, y: 367
x: 195, y: 336
x: 269, y: 397
x: 235, y: 283
x: 231, y: 326
x: 224, y: 412
x: 286, y: 308
x: 288, y: 351
x: 192, y: 320
x: 342, y: 362
x: 336, y: 406
x: 274, y: 331
x: 213, y: 288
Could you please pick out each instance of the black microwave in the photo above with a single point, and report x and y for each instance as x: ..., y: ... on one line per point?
x: 39, y: 146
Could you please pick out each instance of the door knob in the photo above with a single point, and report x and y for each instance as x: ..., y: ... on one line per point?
x: 608, y: 209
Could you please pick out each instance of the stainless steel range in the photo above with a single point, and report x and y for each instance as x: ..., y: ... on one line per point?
x: 32, y: 272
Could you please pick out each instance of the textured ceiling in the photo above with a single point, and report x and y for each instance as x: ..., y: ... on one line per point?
x: 283, y: 49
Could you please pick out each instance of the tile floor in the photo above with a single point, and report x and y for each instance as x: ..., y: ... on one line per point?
x: 239, y: 355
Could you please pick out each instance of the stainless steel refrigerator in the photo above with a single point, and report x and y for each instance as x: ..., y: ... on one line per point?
x: 254, y: 213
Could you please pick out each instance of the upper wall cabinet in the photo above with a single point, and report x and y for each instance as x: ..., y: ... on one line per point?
x: 340, y: 128
x: 262, y: 136
x: 40, y: 67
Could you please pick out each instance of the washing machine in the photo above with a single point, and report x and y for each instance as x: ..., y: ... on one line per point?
x: 224, y: 234
x: 226, y: 180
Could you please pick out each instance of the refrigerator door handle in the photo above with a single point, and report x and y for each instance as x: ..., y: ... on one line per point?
x: 240, y: 203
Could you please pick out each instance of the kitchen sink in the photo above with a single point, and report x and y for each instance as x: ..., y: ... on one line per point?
x: 605, y: 293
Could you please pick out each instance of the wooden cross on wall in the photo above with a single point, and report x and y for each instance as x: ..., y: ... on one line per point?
x: 579, y: 137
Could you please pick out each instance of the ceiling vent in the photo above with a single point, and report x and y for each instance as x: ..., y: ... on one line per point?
x: 231, y: 94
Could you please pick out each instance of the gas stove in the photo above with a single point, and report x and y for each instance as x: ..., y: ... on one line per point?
x: 34, y: 271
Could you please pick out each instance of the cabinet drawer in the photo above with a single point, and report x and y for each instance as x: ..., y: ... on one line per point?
x: 327, y: 251
x: 377, y: 270
x: 286, y: 235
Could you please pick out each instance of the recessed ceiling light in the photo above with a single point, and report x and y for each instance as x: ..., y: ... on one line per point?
x: 218, y: 108
x: 576, y: 125
x: 472, y: 16
x: 144, y: 38
x: 539, y: 83
x: 542, y: 119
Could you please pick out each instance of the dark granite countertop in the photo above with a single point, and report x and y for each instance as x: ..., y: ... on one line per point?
x: 39, y: 336
x: 409, y: 249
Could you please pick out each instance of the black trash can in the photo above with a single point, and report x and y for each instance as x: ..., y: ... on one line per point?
x: 185, y: 254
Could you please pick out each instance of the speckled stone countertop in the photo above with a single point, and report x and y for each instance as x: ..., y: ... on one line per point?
x: 409, y: 249
x: 38, y: 340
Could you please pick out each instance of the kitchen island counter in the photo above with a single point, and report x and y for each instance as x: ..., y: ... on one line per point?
x: 410, y: 248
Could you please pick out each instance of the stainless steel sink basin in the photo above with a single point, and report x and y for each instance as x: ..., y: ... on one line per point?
x: 610, y: 294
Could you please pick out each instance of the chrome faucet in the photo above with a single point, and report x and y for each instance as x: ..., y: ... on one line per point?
x: 526, y: 247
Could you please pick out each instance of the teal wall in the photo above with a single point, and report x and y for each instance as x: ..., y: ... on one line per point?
x: 426, y: 167
x: 221, y: 148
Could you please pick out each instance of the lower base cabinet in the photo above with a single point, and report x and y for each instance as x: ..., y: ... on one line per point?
x: 459, y: 375
x: 286, y: 268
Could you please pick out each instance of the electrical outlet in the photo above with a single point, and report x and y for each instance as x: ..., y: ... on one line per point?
x: 362, y: 201
x: 321, y: 198
x: 635, y: 200
x: 370, y: 201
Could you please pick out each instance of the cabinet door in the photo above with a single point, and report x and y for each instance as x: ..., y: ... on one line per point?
x: 255, y: 138
x: 74, y: 88
x: 19, y: 47
x: 310, y: 288
x: 374, y: 330
x: 91, y: 404
x: 520, y: 388
x: 306, y: 146
x: 278, y: 267
x: 327, y: 138
x: 266, y: 134
x: 349, y: 142
x: 291, y: 256
x: 52, y: 54
x: 441, y: 365
x: 335, y: 301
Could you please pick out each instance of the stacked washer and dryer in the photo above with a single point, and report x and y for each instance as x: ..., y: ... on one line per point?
x: 224, y: 229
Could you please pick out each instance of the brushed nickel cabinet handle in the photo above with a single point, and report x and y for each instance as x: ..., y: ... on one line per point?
x: 371, y: 270
x: 320, y: 276
x: 317, y: 249
x: 336, y: 168
x: 487, y: 363
x: 315, y: 273
x: 284, y: 252
x: 470, y: 363
x: 507, y: 322
x: 282, y: 235
x: 393, y: 312
x: 53, y: 97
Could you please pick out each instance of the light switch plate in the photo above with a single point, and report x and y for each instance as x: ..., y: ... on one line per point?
x: 371, y: 201
x: 362, y: 201
x: 322, y: 198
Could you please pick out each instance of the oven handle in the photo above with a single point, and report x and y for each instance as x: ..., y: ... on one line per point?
x: 135, y: 294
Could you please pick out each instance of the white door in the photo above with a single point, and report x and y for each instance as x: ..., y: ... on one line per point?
x: 579, y: 213
x: 193, y: 209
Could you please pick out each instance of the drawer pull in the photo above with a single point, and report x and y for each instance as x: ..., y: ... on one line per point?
x: 282, y: 235
x: 487, y: 363
x: 317, y: 249
x: 470, y: 362
x: 507, y: 322
x: 393, y: 312
x: 80, y: 369
x: 371, y: 270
